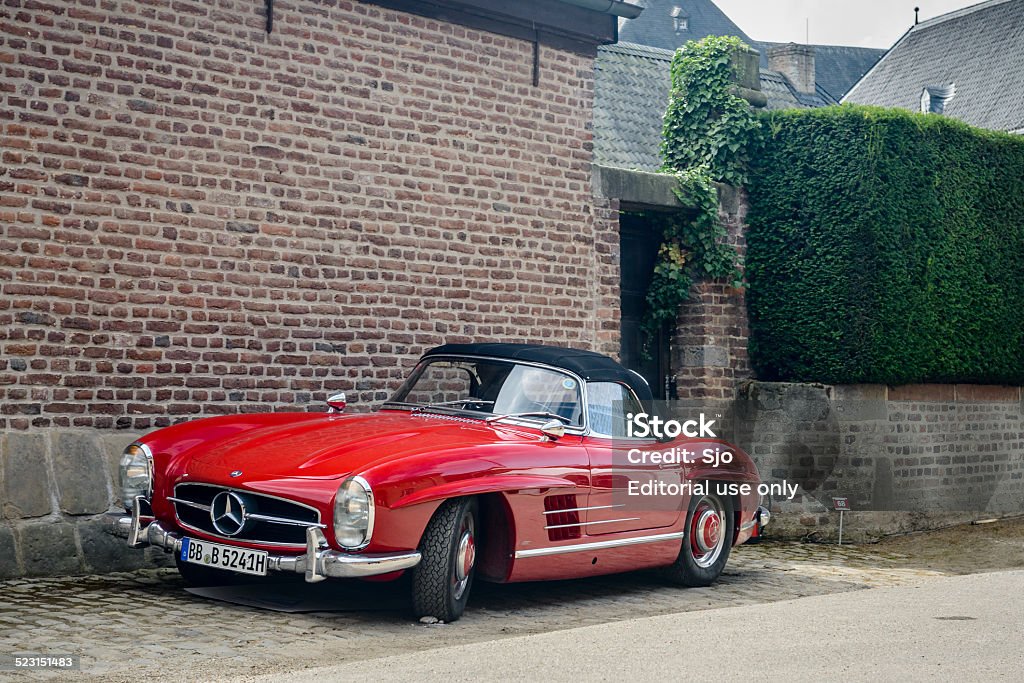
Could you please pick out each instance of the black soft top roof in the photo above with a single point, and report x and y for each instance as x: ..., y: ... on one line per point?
x: 590, y: 366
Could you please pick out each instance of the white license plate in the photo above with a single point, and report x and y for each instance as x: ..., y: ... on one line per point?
x: 226, y: 557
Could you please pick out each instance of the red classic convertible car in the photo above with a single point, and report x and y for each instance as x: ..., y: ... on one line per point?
x: 503, y: 462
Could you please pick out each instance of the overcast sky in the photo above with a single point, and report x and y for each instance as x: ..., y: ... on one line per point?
x: 863, y: 23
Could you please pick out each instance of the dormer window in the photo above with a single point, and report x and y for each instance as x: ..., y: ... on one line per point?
x: 935, y: 97
x: 680, y: 19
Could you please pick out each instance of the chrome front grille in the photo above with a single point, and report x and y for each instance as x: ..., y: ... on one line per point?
x: 261, y: 518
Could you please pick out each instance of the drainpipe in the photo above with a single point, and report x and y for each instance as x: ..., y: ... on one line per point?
x: 619, y: 9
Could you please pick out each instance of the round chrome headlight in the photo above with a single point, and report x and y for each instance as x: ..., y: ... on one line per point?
x: 353, y: 514
x: 136, y: 474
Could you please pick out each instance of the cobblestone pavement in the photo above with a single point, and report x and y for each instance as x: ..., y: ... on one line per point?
x: 145, y: 625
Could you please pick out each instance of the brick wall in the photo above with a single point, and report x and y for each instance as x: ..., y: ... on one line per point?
x: 710, y: 343
x: 200, y: 218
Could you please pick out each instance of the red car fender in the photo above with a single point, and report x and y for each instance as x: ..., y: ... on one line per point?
x: 404, y: 520
x: 490, y: 483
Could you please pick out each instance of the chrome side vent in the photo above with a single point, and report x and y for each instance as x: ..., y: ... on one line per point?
x: 562, y: 517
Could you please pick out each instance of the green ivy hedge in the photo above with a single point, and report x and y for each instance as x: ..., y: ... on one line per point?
x: 885, y: 247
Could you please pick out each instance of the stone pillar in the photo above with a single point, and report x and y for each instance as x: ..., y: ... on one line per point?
x: 747, y: 63
x: 709, y: 354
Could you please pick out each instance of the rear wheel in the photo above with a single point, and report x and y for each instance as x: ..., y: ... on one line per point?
x: 710, y: 528
x: 441, y: 582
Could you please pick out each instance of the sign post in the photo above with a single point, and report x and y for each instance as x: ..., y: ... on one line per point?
x: 842, y: 504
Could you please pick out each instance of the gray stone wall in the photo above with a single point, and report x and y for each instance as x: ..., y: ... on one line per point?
x: 55, y: 487
x: 908, y: 458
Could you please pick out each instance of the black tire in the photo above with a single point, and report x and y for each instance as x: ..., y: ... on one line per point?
x: 700, y: 561
x: 441, y: 582
x: 198, y: 576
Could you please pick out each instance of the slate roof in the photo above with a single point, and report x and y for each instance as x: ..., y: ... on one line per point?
x: 631, y: 95
x: 979, y: 49
x: 836, y: 68
x: 655, y: 27
x: 782, y: 95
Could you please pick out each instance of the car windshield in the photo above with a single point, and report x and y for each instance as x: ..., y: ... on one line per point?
x: 489, y: 387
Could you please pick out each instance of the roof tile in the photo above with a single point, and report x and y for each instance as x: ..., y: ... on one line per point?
x: 631, y: 95
x: 979, y: 49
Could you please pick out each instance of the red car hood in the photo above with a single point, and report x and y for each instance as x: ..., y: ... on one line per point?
x: 329, y: 447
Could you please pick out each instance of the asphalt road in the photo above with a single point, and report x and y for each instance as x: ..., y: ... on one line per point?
x: 964, y: 628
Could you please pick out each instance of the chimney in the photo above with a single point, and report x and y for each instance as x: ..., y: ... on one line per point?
x: 795, y: 62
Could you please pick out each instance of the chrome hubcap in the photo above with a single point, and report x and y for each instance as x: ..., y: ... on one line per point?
x: 465, y: 557
x: 707, y: 531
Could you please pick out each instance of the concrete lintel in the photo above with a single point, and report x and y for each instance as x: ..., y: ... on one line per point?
x: 656, y: 190
x: 646, y: 190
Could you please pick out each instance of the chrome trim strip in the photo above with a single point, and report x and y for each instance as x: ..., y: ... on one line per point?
x: 280, y: 520
x: 189, y: 503
x: 748, y: 526
x: 593, y: 507
x: 597, y: 545
x: 600, y: 521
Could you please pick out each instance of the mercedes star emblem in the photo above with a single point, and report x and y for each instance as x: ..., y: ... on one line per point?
x: 227, y: 512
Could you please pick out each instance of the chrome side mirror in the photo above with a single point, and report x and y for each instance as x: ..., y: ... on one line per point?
x: 336, y: 403
x: 553, y: 429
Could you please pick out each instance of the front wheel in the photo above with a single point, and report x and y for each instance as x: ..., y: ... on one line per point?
x: 710, y: 528
x: 442, y: 580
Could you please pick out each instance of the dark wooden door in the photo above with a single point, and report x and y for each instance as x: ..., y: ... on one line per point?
x: 638, y: 248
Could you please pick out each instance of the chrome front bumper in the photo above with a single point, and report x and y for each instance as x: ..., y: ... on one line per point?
x: 319, y: 562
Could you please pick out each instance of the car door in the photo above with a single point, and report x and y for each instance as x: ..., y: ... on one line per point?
x: 632, y: 487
